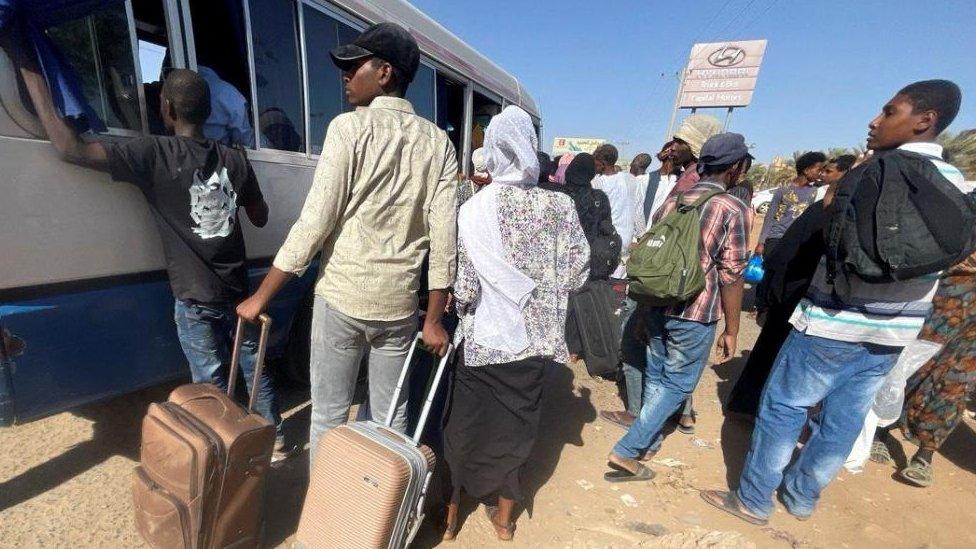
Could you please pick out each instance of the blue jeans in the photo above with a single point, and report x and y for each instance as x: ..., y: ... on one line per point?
x: 207, y: 335
x: 634, y: 361
x: 676, y: 357
x: 808, y: 370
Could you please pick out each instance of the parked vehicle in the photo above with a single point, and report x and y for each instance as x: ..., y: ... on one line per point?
x: 761, y: 201
x: 86, y: 311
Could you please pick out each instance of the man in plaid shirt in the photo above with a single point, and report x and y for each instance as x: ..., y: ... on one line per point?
x: 680, y: 336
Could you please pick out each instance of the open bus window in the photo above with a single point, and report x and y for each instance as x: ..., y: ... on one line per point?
x: 99, y: 49
x: 278, y: 74
x: 450, y: 111
x: 220, y: 45
x: 420, y: 93
x: 325, y: 87
x: 484, y: 109
x: 154, y: 56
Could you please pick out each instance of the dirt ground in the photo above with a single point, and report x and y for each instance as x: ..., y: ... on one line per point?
x: 64, y: 482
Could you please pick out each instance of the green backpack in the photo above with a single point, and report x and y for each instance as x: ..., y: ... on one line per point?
x: 665, y: 267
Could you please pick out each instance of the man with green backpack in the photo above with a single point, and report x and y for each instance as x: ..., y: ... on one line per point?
x: 686, y: 274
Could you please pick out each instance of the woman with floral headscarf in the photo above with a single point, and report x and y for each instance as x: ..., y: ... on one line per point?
x: 521, y: 251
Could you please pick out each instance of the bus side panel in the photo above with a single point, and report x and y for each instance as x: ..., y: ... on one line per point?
x: 87, y: 346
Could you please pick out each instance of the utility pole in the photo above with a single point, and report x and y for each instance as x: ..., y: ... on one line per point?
x: 677, y: 101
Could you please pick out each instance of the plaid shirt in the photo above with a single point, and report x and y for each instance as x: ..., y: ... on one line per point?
x: 724, y: 251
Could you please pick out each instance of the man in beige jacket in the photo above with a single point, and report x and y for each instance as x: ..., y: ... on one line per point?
x: 383, y: 197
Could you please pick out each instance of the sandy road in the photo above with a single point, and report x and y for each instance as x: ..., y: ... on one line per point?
x: 64, y: 482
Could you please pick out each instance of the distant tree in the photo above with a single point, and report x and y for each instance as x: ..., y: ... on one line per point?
x: 960, y: 149
x: 757, y: 175
x: 834, y: 152
x: 782, y: 174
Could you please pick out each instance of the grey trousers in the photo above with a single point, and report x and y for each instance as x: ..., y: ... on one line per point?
x: 338, y: 345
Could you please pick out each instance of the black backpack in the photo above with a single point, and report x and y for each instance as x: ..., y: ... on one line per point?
x: 593, y: 208
x: 897, y: 217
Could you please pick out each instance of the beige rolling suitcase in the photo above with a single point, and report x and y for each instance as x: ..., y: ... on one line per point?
x: 203, y: 462
x: 368, y: 482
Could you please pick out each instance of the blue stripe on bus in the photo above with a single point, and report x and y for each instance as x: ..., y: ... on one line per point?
x: 10, y: 310
x: 86, y: 346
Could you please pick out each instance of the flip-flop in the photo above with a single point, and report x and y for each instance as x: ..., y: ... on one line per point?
x: 615, y: 418
x: 918, y: 473
x: 729, y: 502
x: 621, y: 474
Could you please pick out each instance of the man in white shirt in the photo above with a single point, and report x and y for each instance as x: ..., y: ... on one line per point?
x: 638, y: 169
x: 621, y: 189
x: 654, y: 189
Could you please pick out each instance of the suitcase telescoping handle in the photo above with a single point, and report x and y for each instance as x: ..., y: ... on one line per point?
x: 429, y: 399
x: 235, y: 358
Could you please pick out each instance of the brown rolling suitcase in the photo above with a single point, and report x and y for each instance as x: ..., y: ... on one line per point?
x: 369, y: 482
x: 203, y: 463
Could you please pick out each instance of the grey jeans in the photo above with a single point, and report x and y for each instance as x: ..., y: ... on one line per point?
x: 338, y: 345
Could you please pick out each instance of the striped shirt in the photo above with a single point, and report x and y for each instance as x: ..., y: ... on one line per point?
x: 724, y: 249
x: 890, y: 313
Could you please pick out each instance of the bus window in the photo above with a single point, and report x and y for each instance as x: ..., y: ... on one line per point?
x: 281, y: 120
x: 346, y: 36
x: 99, y: 49
x: 154, y: 56
x: 450, y: 110
x: 220, y: 42
x: 483, y: 109
x: 325, y: 88
x: 420, y: 93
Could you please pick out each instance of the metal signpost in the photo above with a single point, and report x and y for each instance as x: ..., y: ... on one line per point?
x: 718, y: 74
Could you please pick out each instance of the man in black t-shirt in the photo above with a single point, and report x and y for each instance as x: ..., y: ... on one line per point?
x: 194, y: 188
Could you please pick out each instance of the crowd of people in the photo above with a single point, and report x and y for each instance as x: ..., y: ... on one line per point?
x: 506, y: 247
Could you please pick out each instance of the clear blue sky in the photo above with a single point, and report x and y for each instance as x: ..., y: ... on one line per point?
x: 595, y: 67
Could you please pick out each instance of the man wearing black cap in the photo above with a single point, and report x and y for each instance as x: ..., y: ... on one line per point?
x: 680, y: 336
x: 382, y: 199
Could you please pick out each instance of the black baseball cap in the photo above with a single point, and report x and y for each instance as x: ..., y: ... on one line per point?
x: 388, y: 41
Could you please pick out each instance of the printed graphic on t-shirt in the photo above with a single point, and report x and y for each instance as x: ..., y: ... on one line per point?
x: 212, y: 205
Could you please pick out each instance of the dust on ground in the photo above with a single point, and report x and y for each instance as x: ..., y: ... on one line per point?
x: 64, y: 482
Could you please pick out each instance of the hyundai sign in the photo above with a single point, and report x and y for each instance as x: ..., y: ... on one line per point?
x: 722, y: 74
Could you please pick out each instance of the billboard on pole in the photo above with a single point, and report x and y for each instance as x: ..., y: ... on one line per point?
x: 575, y: 145
x: 721, y: 74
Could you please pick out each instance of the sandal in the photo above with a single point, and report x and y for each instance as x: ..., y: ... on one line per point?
x: 622, y: 474
x: 729, y: 502
x: 450, y: 529
x: 687, y: 429
x: 880, y: 453
x: 647, y: 456
x: 918, y: 473
x: 491, y: 511
x: 620, y: 419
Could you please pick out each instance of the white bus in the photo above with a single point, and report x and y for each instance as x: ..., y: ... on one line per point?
x: 85, y: 308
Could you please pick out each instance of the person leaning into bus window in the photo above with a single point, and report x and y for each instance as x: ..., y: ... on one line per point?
x: 228, y: 121
x: 382, y: 197
x: 194, y: 188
